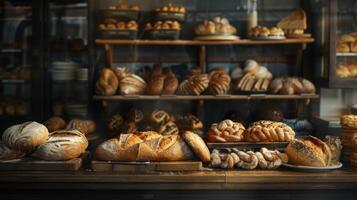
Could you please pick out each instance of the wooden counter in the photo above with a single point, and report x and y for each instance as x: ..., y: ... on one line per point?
x: 205, y: 180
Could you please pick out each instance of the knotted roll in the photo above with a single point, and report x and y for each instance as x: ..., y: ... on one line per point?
x: 226, y: 131
x: 268, y: 131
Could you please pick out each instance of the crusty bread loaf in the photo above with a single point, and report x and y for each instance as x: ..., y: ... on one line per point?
x: 171, y: 82
x: 226, y: 131
x: 268, y: 131
x: 309, y: 151
x: 26, y: 136
x: 219, y: 82
x: 122, y: 72
x: 107, y: 83
x: 197, y: 145
x: 8, y: 154
x: 132, y: 85
x: 292, y: 85
x: 194, y: 85
x: 342, y: 48
x: 129, y: 147
x: 83, y: 126
x: 62, y: 145
x: 55, y: 123
x: 349, y: 121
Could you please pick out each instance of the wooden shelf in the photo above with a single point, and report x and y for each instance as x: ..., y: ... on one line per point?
x: 205, y: 97
x: 196, y: 42
x: 352, y: 54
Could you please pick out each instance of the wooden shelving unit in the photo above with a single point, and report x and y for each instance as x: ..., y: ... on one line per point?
x: 207, y: 97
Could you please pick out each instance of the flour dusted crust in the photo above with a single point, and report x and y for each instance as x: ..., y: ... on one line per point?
x: 309, y: 151
x: 26, y: 136
x: 197, y: 145
x: 269, y: 131
x: 226, y: 131
x: 349, y: 121
x: 62, y: 145
x: 8, y: 154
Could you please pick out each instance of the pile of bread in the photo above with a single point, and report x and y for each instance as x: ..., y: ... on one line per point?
x: 13, y: 107
x: 217, y: 26
x: 122, y: 6
x: 234, y: 158
x: 163, y: 25
x: 262, y: 31
x: 33, y: 139
x: 253, y: 78
x: 261, y: 131
x: 347, y: 43
x: 346, y: 70
x: 112, y: 24
x: 158, y: 120
x: 152, y: 146
x: 57, y: 123
x: 291, y: 85
x: 170, y: 8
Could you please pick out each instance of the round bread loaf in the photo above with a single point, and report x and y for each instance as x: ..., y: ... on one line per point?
x: 309, y: 151
x: 55, y: 124
x: 83, y: 126
x: 197, y: 145
x: 155, y: 85
x: 62, y: 145
x: 107, y: 83
x: 349, y: 121
x: 26, y: 136
x: 8, y: 154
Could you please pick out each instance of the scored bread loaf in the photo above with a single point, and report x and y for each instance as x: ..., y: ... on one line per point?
x: 107, y: 83
x: 219, y: 82
x: 194, y: 85
x: 62, y: 145
x: 269, y: 131
x: 132, y: 85
x: 150, y: 147
x: 26, y: 136
x: 8, y: 154
x: 197, y: 145
x: 309, y: 151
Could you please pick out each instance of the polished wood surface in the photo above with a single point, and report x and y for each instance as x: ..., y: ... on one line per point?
x: 196, y: 42
x: 203, y: 180
x: 207, y: 97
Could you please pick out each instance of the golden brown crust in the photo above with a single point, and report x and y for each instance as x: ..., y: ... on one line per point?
x: 83, y: 126
x: 226, y: 131
x: 197, y: 145
x: 55, y: 124
x: 155, y: 85
x: 269, y: 131
x: 107, y: 83
x: 309, y: 151
x: 349, y: 121
x: 194, y: 85
x: 8, y: 154
x: 219, y: 82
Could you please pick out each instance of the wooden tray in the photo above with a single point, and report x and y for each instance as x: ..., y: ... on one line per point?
x: 248, y: 145
x: 146, y: 166
x: 297, y: 36
x: 31, y: 164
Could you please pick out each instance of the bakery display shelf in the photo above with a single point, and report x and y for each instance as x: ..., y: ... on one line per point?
x: 196, y: 42
x: 351, y: 54
x: 206, y: 97
x: 32, y: 164
x: 247, y: 145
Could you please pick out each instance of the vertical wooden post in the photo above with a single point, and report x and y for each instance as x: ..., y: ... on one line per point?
x: 202, y: 59
x: 109, y: 55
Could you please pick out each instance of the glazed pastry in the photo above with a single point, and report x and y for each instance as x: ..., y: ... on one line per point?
x: 55, y: 123
x: 107, y: 83
x: 226, y: 131
x: 216, y: 26
x: 268, y: 131
x: 219, y: 82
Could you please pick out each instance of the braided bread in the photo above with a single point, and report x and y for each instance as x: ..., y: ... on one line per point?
x: 226, y: 131
x: 268, y: 131
x: 234, y: 158
x: 349, y: 121
x: 107, y: 83
x: 194, y: 85
x: 219, y: 82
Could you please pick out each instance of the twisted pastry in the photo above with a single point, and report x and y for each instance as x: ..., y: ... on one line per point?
x: 268, y: 131
x: 226, y: 131
x: 194, y: 85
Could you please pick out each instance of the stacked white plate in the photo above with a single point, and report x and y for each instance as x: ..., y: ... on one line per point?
x: 64, y: 71
x: 76, y: 109
x: 82, y: 74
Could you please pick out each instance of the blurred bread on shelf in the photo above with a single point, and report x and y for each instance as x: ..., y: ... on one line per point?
x: 346, y: 70
x: 219, y: 82
x: 217, y: 26
x: 171, y: 8
x: 291, y: 86
x: 55, y: 123
x: 7, y: 153
x: 194, y: 85
x: 347, y: 43
x: 295, y: 23
x: 107, y: 83
x: 269, y: 131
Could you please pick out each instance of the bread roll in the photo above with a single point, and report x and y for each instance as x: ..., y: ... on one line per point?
x: 122, y: 72
x: 107, y: 83
x: 8, y: 154
x: 62, y: 145
x: 132, y: 85
x: 226, y: 131
x: 343, y: 48
x: 55, y: 124
x: 155, y: 85
x: 26, y: 136
x: 197, y: 145
x: 195, y: 85
x: 251, y: 66
x: 309, y: 151
x: 347, y: 38
x: 116, y: 123
x: 349, y: 121
x: 219, y: 82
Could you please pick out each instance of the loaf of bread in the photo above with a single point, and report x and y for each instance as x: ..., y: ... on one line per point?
x: 132, y: 85
x: 171, y: 82
x: 55, y: 123
x: 226, y: 131
x: 25, y: 137
x: 62, y: 145
x: 153, y: 147
x: 349, y: 121
x: 83, y: 126
x: 219, y: 82
x: 219, y: 25
x: 197, y: 145
x: 309, y: 151
x: 122, y: 72
x: 155, y: 85
x: 194, y: 85
x: 107, y: 83
x: 291, y: 85
x: 234, y: 158
x: 268, y: 131
x: 296, y: 22
x: 8, y: 154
